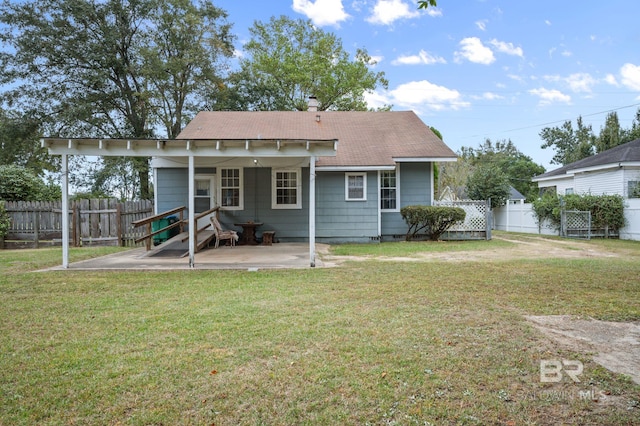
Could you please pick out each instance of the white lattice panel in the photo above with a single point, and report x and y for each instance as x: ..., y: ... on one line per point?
x: 476, y: 218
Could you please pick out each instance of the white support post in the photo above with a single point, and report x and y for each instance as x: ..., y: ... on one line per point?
x: 65, y: 211
x: 312, y: 211
x: 192, y: 213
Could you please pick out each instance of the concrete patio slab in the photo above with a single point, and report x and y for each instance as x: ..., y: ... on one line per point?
x: 276, y: 256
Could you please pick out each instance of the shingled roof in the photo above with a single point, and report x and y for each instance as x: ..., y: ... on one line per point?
x: 625, y: 153
x: 364, y: 138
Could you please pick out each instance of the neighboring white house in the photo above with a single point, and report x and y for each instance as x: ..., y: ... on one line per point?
x: 612, y: 172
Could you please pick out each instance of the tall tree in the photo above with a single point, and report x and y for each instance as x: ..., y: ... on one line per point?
x: 20, y: 143
x: 488, y: 181
x: 290, y: 60
x: 503, y: 154
x: 569, y: 145
x: 88, y: 64
x: 611, y: 134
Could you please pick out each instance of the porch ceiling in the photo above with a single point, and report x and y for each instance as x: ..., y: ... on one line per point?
x: 191, y: 147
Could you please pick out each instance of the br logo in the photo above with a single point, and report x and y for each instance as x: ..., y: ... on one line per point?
x: 551, y: 370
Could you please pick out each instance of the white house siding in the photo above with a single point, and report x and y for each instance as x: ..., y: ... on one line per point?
x: 630, y: 174
x: 561, y: 184
x: 602, y: 182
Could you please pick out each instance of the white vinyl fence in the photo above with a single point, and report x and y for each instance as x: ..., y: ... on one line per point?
x: 521, y: 218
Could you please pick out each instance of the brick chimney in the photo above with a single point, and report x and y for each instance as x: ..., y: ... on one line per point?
x: 313, y: 104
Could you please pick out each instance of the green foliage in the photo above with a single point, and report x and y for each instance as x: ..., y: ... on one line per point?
x: 434, y: 220
x: 488, y: 181
x: 547, y: 208
x: 290, y: 60
x: 18, y: 183
x: 5, y: 221
x: 607, y: 211
x: 573, y: 145
x: 518, y: 167
x: 423, y: 4
x: 113, y: 68
x: 20, y: 143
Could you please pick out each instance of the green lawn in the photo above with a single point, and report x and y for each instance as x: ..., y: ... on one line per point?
x: 369, y: 342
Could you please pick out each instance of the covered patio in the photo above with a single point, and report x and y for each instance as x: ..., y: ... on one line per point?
x: 192, y: 149
x: 251, y: 258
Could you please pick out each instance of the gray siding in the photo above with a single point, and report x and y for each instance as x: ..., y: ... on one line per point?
x: 341, y: 220
x: 337, y: 220
x: 415, y: 188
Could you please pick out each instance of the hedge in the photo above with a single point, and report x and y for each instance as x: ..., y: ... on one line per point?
x: 434, y: 220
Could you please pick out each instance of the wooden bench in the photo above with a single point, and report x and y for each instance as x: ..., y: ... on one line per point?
x: 268, y: 237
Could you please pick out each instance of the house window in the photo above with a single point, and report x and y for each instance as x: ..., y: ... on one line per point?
x: 634, y: 189
x: 568, y: 191
x: 286, y: 189
x: 356, y: 186
x: 231, y: 189
x: 388, y: 190
x: 204, y: 199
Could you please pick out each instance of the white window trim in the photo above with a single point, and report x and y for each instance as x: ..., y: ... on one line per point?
x: 212, y: 187
x: 397, y: 209
x: 219, y: 188
x: 274, y: 197
x: 364, y: 186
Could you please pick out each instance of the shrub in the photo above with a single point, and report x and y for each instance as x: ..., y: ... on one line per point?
x: 434, y: 220
x: 5, y: 221
x: 607, y: 211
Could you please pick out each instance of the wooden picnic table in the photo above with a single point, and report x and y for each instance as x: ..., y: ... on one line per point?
x: 249, y: 232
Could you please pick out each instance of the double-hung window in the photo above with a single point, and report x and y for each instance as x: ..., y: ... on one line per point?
x: 355, y: 186
x: 388, y: 190
x: 204, y: 198
x: 286, y: 189
x: 231, y: 193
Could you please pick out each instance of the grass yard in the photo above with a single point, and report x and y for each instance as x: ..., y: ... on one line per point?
x: 369, y: 342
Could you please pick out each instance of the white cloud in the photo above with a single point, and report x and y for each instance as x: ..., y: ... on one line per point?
x: 580, y: 82
x: 489, y: 96
x: 321, y: 12
x: 630, y: 76
x: 386, y: 12
x: 547, y: 96
x: 472, y: 49
x: 434, y: 12
x: 508, y: 48
x: 481, y: 24
x: 375, y: 60
x: 611, y: 79
x: 423, y: 57
x: 547, y: 22
x: 423, y: 95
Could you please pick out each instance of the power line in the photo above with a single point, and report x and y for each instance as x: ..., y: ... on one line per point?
x: 562, y: 121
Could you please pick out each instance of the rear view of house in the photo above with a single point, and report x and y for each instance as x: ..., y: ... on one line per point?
x: 261, y: 167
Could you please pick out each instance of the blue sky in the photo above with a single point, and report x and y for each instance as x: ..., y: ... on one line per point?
x: 477, y: 69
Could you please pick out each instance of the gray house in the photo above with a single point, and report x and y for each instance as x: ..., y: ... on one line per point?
x: 307, y: 176
x: 382, y: 161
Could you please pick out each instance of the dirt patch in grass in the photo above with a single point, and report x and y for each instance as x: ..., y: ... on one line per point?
x: 614, y: 345
x: 522, y: 247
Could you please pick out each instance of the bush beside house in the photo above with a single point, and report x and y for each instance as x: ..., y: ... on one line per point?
x: 433, y: 220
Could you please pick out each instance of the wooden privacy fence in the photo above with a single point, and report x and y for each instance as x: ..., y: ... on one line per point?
x: 91, y: 222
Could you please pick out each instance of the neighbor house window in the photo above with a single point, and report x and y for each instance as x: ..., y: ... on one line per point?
x: 286, y: 189
x: 388, y: 190
x: 568, y: 191
x: 356, y: 186
x: 231, y: 189
x: 204, y: 199
x: 634, y: 189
